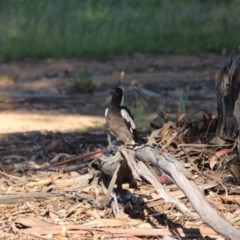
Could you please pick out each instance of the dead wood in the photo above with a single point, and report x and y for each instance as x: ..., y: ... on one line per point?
x: 110, y: 164
x: 23, y: 197
x: 74, y: 183
x: 77, y: 158
x: 62, y: 186
x: 228, y: 107
x: 106, y: 199
x: 146, y: 174
x: 227, y: 90
x: 105, y: 228
x: 173, y: 168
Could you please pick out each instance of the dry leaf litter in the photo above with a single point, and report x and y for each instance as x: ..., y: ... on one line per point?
x: 49, y: 190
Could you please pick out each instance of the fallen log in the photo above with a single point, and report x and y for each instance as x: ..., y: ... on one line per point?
x: 174, y: 169
x: 140, y: 158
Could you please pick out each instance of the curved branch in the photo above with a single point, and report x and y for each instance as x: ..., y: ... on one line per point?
x: 174, y: 169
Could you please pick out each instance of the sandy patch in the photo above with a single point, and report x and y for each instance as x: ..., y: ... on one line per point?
x: 21, y: 122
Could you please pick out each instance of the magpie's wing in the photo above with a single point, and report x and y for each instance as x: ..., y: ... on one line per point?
x: 127, y: 116
x: 129, y: 120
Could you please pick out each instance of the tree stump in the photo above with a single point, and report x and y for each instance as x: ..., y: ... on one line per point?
x: 228, y: 108
x: 228, y: 104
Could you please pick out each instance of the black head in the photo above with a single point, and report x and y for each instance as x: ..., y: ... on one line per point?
x: 117, y: 95
x: 117, y: 91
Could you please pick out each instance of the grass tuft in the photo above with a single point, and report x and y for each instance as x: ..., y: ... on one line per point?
x: 82, y: 82
x: 182, y: 94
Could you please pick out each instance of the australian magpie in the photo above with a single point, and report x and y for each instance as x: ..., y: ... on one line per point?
x: 119, y: 119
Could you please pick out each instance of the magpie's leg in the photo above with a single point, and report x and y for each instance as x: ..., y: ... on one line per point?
x: 109, y: 141
x: 111, y: 144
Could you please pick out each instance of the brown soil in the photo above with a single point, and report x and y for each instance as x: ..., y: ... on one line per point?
x: 37, y: 96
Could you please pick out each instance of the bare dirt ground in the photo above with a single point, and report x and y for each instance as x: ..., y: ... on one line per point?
x: 37, y: 95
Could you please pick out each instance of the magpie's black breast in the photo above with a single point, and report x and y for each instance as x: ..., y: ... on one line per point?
x: 119, y: 127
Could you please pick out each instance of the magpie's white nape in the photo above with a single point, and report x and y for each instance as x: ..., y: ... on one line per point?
x: 120, y: 120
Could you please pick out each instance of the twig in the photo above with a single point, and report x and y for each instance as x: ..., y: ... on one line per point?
x: 106, y: 199
x: 13, y: 177
x: 77, y: 158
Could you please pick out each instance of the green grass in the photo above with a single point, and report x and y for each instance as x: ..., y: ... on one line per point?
x: 31, y: 29
x: 182, y: 98
x: 139, y: 114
